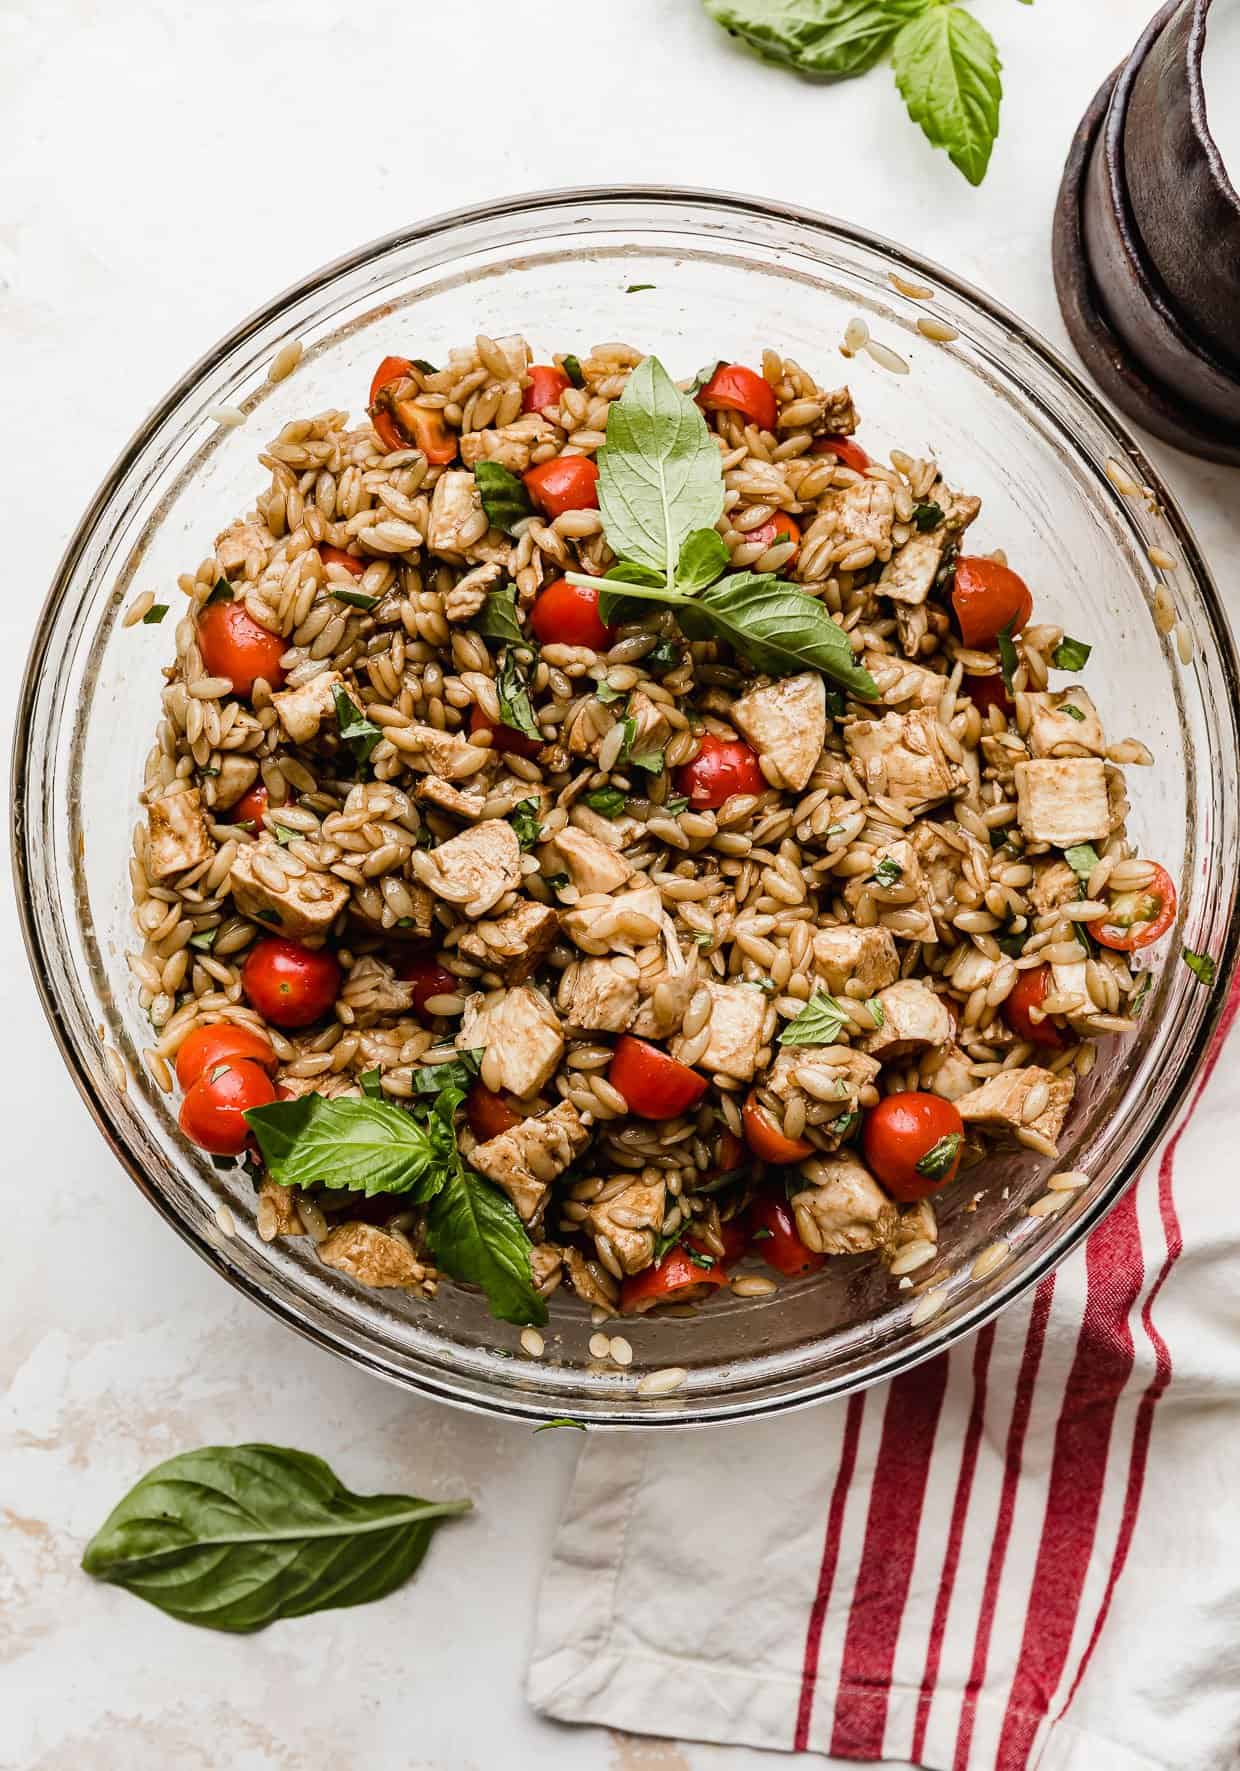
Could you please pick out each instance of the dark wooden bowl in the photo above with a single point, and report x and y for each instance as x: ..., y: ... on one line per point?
x: 1184, y: 204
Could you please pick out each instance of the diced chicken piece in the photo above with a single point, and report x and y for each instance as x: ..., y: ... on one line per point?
x: 912, y: 625
x: 1054, y: 731
x: 431, y: 790
x: 303, y: 908
x: 372, y: 1257
x: 445, y: 754
x: 592, y: 865
x: 275, y: 1213
x: 599, y: 995
x: 510, y: 445
x: 904, y: 684
x: 913, y: 1018
x: 737, y: 1014
x: 864, y: 513
x: 630, y: 1221
x: 456, y: 506
x: 953, y: 1074
x: 629, y: 919
x: 843, y: 952
x: 374, y: 992
x: 593, y: 1284
x: 909, y: 575
x: 617, y: 833
x: 786, y: 723
x: 1063, y: 801
x: 463, y: 601
x: 900, y: 860
x: 475, y: 869
x: 303, y: 710
x: 843, y: 1210
x: 514, y: 945
x: 237, y: 775
x: 547, y: 1266
x: 521, y: 1028
x: 651, y: 730
x: 525, y: 1160
x: 179, y: 837
x: 970, y: 968
x: 902, y: 756
x: 839, y: 415
x: 1072, y: 981
x: 1031, y: 1099
x: 676, y: 989
x: 834, y: 1081
x: 1053, y: 884
x: 241, y: 551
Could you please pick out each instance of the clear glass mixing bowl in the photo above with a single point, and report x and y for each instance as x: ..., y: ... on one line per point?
x: 1007, y: 419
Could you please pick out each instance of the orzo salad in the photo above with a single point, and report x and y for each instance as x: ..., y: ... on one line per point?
x: 603, y: 830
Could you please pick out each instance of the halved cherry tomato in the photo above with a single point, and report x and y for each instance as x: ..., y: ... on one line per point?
x: 249, y: 809
x: 988, y: 597
x: 206, y: 1047
x: 428, y: 978
x: 489, y: 1114
x: 654, y: 1085
x: 729, y: 1156
x: 290, y: 985
x: 1136, y: 919
x: 336, y: 556
x: 986, y: 692
x: 733, y: 388
x: 402, y: 423
x: 780, y: 528
x: 546, y: 385
x: 767, y: 1140
x: 390, y: 370
x: 503, y: 738
x: 428, y: 430
x: 773, y: 1234
x: 566, y: 482
x: 722, y: 767
x: 1029, y: 992
x: 902, y: 1131
x: 677, y: 1278
x: 735, y: 1238
x: 234, y: 645
x: 212, y: 1112
x: 844, y: 449
x: 567, y: 615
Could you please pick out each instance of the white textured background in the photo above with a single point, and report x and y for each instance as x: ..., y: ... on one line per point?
x: 163, y: 169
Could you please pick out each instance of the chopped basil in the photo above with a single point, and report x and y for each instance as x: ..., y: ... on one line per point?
x: 426, y: 368
x: 1201, y: 965
x: 356, y: 730
x: 526, y: 823
x: 845, y: 1125
x: 1082, y: 858
x: 698, y: 1258
x: 372, y: 1084
x: 1070, y: 654
x: 606, y: 694
x: 556, y: 881
x: 515, y: 708
x: 676, y: 805
x: 154, y: 614
x: 1012, y: 943
x: 664, y: 656
x: 649, y: 760
x: 1072, y: 710
x: 887, y: 872
x: 1140, y: 993
x: 222, y: 593
x: 763, y: 1234
x: 1083, y: 937
x: 1008, y: 659
x: 609, y: 801
x: 504, y: 497
x: 205, y: 940
x: 497, y: 619
x: 572, y: 368
x: 459, y: 1073
x: 820, y: 1022
x: 927, y: 516
x: 356, y: 599
x: 284, y: 836
x: 562, y: 1420
x: 877, y: 1012
x: 636, y: 288
x: 405, y: 922
x: 937, y: 1162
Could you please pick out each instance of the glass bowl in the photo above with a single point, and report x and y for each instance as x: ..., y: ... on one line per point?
x: 1006, y: 418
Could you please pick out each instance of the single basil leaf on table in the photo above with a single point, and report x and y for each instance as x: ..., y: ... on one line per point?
x: 475, y: 1235
x: 155, y: 614
x: 233, y: 1537
x: 367, y: 1146
x: 515, y: 707
x: 823, y: 39
x: 820, y: 1022
x: 360, y: 734
x: 504, y: 497
x: 497, y: 619
x: 947, y: 69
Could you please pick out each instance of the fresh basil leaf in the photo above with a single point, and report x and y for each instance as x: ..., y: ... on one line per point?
x: 676, y: 805
x: 636, y: 288
x: 1070, y: 654
x: 497, y: 619
x: 562, y: 1421
x: 845, y: 1125
x: 154, y: 614
x: 927, y: 516
x: 356, y: 730
x: 233, y: 1537
x: 556, y: 882
x: 703, y: 558
x: 426, y: 368
x: 820, y: 1022
x: 936, y: 1164
x: 526, y: 822
x: 779, y: 629
x: 1083, y: 937
x: 1072, y: 710
x: 1012, y: 943
x: 364, y: 1146
x: 356, y: 599
x: 823, y: 39
x: 504, y: 497
x: 222, y: 592
x: 698, y: 1258
x: 515, y: 708
x: 284, y: 836
x: 1082, y: 858
x: 475, y: 1236
x: 705, y: 375
x: 659, y: 471
x: 614, y: 608
x: 372, y: 1084
x: 662, y: 657
x: 1008, y: 659
x: 887, y: 872
x: 947, y: 69
x: 608, y: 801
x: 878, y: 1013
x: 606, y: 694
x: 457, y: 1074
x: 762, y: 1234
x: 1201, y: 965
x: 205, y: 940
x: 572, y: 368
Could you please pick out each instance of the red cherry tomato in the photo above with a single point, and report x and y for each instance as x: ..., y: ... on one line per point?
x: 654, y: 1085
x: 212, y: 1111
x: 206, y: 1047
x: 547, y: 383
x: 988, y: 597
x: 722, y: 767
x: 733, y: 388
x: 986, y: 692
x: 401, y: 423
x: 336, y: 556
x: 766, y: 1139
x: 290, y: 985
x: 1028, y: 992
x: 735, y: 1239
x: 901, y: 1132
x: 234, y: 645
x: 390, y: 370
x: 730, y: 1155
x: 773, y: 1233
x: 503, y: 738
x: 677, y: 1278
x: 1136, y: 919
x: 250, y: 808
x: 780, y: 528
x: 844, y: 449
x: 567, y: 615
x: 566, y: 482
x: 428, y: 978
x: 489, y: 1114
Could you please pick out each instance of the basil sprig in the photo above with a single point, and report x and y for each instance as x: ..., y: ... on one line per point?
x: 234, y: 1537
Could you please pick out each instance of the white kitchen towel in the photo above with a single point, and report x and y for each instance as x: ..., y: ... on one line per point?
x: 1024, y: 1553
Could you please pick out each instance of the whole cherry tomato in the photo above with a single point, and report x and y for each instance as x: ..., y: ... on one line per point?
x: 234, y: 645
x: 1029, y: 992
x: 767, y: 1140
x: 734, y: 388
x: 503, y: 738
x: 780, y: 528
x: 221, y: 1042
x: 546, y: 385
x: 566, y: 482
x: 912, y: 1142
x: 428, y: 978
x: 567, y: 614
x: 654, y: 1085
x: 988, y: 598
x: 250, y: 808
x: 773, y: 1235
x: 290, y: 985
x: 212, y: 1113
x: 722, y: 767
x: 676, y: 1279
x: 489, y: 1114
x: 1136, y: 919
x: 844, y: 449
x: 336, y: 556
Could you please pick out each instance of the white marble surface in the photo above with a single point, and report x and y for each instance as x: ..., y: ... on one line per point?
x: 163, y: 168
